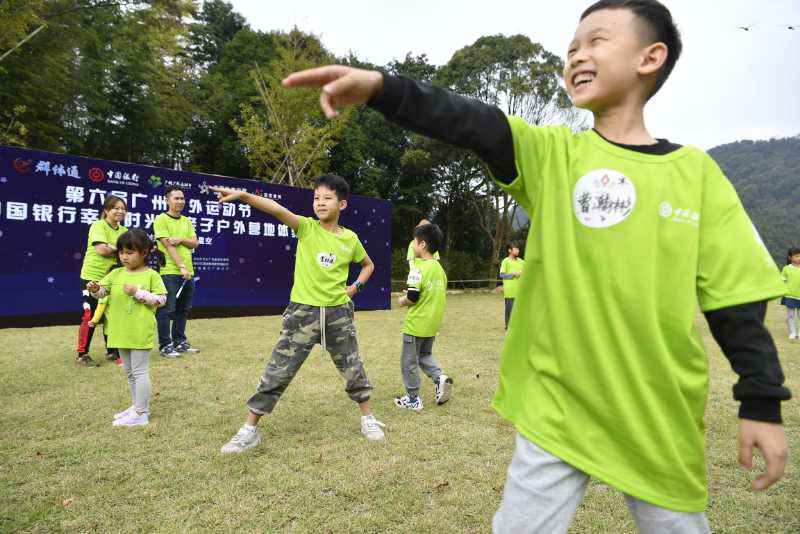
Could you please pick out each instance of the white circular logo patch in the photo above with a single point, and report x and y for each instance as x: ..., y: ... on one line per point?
x: 326, y: 260
x: 603, y: 198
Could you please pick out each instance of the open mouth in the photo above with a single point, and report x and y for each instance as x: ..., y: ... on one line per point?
x: 582, y: 78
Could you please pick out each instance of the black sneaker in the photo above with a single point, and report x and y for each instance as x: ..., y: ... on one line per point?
x: 186, y: 347
x: 111, y: 356
x: 86, y: 361
x: 168, y: 351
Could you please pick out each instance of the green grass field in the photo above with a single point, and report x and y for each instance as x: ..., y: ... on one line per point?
x: 63, y: 467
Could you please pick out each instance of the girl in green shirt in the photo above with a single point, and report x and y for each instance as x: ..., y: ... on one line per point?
x: 134, y: 292
x: 791, y: 276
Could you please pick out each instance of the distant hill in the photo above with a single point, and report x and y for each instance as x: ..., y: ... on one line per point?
x: 766, y: 175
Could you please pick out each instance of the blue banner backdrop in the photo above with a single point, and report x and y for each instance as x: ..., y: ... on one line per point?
x: 245, y: 257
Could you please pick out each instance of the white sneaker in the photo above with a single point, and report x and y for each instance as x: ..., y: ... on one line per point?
x: 792, y: 336
x: 134, y: 419
x: 406, y: 402
x: 444, y: 388
x: 243, y: 440
x: 372, y: 428
x: 124, y: 413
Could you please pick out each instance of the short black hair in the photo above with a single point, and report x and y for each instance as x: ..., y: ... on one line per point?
x: 335, y: 183
x: 431, y: 234
x: 662, y: 29
x: 792, y: 252
x: 512, y: 244
x: 168, y: 191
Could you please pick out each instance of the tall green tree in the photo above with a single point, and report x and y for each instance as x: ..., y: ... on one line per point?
x: 286, y: 137
x: 522, y: 78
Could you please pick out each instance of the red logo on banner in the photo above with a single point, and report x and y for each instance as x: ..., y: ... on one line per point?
x: 22, y: 165
x: 96, y: 174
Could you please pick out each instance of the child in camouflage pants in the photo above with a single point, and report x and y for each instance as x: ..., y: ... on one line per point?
x: 320, y: 309
x: 301, y: 330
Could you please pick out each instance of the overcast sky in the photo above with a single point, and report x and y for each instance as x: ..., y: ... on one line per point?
x: 729, y: 84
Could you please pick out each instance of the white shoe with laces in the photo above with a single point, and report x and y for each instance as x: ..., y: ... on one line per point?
x: 243, y: 440
x: 134, y: 419
x: 372, y: 428
x: 125, y: 413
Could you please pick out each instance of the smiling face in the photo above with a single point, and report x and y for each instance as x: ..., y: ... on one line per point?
x: 116, y: 214
x: 608, y: 62
x: 327, y: 205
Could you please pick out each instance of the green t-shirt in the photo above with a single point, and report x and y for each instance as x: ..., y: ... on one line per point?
x: 94, y: 265
x: 791, y: 276
x: 424, y: 317
x: 605, y: 368
x: 410, y: 252
x: 510, y: 284
x: 167, y: 226
x: 131, y: 324
x: 323, y: 263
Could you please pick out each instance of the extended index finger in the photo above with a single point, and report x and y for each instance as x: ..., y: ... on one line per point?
x: 316, y: 77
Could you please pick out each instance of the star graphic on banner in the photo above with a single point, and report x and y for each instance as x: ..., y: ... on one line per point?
x: 204, y: 188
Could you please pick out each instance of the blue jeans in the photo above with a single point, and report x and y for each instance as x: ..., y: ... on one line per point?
x: 176, y: 310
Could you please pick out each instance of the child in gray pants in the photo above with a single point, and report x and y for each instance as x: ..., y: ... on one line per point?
x: 425, y: 296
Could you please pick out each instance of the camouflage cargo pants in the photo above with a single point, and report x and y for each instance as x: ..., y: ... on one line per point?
x: 303, y: 327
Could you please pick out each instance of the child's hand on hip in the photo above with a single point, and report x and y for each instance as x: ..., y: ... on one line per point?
x: 771, y: 439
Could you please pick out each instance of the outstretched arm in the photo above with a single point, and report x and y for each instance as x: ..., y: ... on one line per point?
x: 426, y: 109
x: 260, y: 203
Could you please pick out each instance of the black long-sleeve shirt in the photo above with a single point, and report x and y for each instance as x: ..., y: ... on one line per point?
x: 443, y: 115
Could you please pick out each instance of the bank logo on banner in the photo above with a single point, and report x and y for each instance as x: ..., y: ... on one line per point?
x: 326, y: 260
x: 22, y: 166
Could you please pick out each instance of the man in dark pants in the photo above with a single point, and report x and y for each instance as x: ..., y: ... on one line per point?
x: 177, y: 239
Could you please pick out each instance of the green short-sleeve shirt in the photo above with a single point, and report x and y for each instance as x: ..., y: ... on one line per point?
x: 94, y: 265
x: 510, y: 284
x: 410, y: 252
x: 603, y: 366
x: 167, y: 226
x: 323, y: 263
x: 131, y: 324
x: 424, y: 317
x: 791, y: 276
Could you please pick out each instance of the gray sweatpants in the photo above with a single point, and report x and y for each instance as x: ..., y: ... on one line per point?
x: 417, y: 354
x: 136, y: 364
x: 542, y: 493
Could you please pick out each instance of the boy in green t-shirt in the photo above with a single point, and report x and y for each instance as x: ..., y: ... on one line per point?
x: 320, y: 309
x: 410, y: 252
x: 425, y: 296
x: 603, y: 373
x: 510, y: 272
